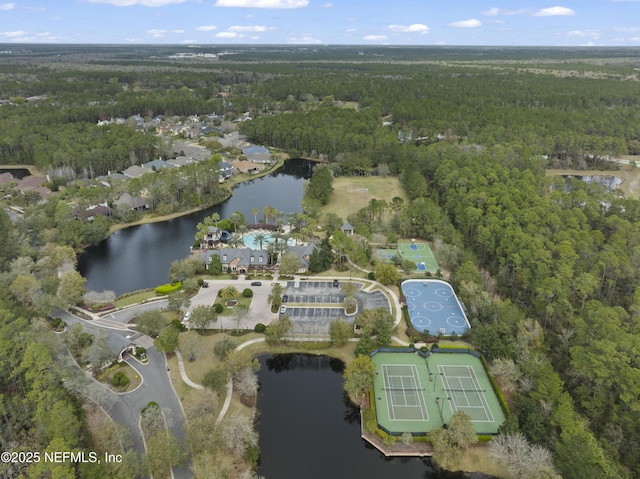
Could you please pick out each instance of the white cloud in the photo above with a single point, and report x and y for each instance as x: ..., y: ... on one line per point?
x: 18, y: 33
x: 328, y: 5
x: 189, y: 41
x: 554, y: 12
x: 635, y: 39
x: 351, y: 30
x: 277, y: 4
x: 304, y: 40
x: 415, y: 28
x: 626, y: 29
x: 177, y: 31
x: 227, y: 35
x: 7, y: 6
x: 143, y: 3
x: 471, y: 23
x: 492, y: 12
x: 595, y: 34
x: 374, y: 38
x: 247, y: 28
x: 206, y: 28
x: 155, y: 33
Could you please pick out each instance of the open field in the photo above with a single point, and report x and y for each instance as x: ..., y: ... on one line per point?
x: 629, y: 175
x: 349, y: 193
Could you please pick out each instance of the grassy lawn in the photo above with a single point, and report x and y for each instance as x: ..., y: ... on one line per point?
x: 134, y: 298
x: 134, y: 378
x: 346, y: 199
x: 229, y: 311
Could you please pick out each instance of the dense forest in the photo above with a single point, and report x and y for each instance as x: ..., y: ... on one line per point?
x: 548, y: 270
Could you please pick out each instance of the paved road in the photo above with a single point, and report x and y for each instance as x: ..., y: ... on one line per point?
x: 125, y: 315
x: 156, y: 386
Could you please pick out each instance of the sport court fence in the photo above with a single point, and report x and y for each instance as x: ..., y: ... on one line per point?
x: 410, y: 349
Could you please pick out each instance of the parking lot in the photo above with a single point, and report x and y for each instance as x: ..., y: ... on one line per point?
x: 311, y: 320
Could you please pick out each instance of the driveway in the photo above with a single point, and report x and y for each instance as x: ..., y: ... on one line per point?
x: 156, y: 386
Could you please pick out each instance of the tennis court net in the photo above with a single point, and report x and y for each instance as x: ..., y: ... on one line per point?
x: 457, y: 390
x: 401, y: 389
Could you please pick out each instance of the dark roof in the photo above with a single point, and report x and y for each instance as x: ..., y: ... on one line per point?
x: 347, y: 227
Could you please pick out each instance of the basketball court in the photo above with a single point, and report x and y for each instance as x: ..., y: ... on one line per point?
x: 420, y: 254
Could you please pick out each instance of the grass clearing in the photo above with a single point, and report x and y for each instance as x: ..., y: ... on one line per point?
x: 349, y: 195
x: 134, y: 298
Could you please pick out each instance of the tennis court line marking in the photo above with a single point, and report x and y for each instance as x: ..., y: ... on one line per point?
x: 391, y: 405
x: 481, y: 395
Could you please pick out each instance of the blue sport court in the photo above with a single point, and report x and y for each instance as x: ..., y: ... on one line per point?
x: 433, y: 306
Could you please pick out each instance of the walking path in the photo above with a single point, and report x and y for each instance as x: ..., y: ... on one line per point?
x: 183, y: 373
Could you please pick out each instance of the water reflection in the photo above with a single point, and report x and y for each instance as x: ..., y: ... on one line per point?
x: 139, y: 257
x: 309, y: 429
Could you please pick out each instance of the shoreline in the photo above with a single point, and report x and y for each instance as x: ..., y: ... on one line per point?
x: 32, y: 169
x: 232, y: 183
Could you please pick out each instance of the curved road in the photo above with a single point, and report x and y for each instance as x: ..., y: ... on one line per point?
x: 156, y: 385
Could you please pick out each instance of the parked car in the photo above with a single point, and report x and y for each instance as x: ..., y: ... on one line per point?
x: 256, y: 283
x: 285, y: 298
x: 283, y: 309
x: 336, y: 283
x: 187, y: 316
x: 205, y: 285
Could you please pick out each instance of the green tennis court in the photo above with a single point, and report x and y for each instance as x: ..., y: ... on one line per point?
x: 420, y: 254
x: 404, y: 392
x: 416, y: 394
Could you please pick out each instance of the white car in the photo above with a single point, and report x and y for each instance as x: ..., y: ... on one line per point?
x: 283, y: 309
x: 187, y: 316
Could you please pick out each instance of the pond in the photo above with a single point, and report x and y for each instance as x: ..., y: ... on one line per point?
x: 18, y: 173
x: 139, y: 257
x: 309, y: 429
x: 608, y: 181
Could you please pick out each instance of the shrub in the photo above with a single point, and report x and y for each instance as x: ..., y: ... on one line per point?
x: 414, y: 334
x: 200, y: 281
x: 247, y: 293
x: 217, y: 308
x: 371, y: 275
x: 120, y: 379
x: 260, y: 328
x: 151, y: 404
x: 177, y: 324
x: 164, y: 289
x: 55, y: 322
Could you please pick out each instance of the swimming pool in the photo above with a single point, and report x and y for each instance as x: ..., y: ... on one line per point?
x: 250, y: 240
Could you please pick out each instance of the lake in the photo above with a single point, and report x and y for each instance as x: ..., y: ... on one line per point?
x: 309, y: 429
x: 139, y: 257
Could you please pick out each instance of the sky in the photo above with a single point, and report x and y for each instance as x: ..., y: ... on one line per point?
x: 344, y: 22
